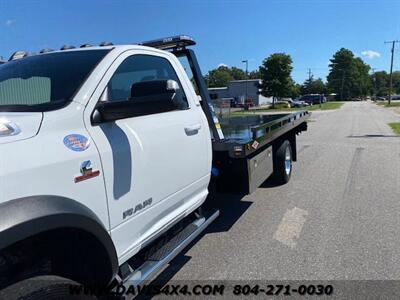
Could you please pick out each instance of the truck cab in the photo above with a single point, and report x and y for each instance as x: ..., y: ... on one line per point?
x: 113, y: 129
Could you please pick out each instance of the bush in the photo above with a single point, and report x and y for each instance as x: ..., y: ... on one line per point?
x: 281, y: 105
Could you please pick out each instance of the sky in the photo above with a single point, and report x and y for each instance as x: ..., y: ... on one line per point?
x: 226, y: 32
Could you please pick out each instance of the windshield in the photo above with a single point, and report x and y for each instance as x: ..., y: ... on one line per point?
x: 45, y: 82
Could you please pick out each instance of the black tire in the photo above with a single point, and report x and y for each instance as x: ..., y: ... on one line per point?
x: 282, y: 171
x: 43, y: 287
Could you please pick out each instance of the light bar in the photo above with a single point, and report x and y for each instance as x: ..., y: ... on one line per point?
x: 86, y: 46
x: 179, y: 41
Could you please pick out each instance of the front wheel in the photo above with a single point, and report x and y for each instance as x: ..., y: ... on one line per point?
x: 46, y: 287
x: 283, y: 163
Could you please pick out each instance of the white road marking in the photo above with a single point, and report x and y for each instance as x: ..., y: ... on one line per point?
x: 290, y: 226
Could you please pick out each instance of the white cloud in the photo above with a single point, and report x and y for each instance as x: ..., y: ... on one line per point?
x: 370, y: 54
x: 222, y: 65
x: 9, y: 22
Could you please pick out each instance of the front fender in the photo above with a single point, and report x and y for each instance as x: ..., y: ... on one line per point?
x: 25, y: 217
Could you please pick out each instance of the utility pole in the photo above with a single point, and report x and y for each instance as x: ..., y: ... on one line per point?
x: 391, y: 68
x: 247, y: 66
x: 309, y: 74
x: 374, y: 79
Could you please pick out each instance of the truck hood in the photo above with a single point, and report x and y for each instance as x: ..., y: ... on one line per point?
x: 19, y: 126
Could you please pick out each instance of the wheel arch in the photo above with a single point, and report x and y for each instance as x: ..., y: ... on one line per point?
x: 59, y: 225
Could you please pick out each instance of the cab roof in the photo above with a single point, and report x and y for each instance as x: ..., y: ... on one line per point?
x: 167, y: 43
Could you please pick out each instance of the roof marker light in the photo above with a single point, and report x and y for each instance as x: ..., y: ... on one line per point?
x: 102, y: 44
x: 67, y: 47
x: 18, y: 55
x: 46, y: 50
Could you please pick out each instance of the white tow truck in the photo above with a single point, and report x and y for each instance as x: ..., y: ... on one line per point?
x: 107, y: 156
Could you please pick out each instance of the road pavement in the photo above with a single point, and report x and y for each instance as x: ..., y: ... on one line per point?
x: 338, y: 217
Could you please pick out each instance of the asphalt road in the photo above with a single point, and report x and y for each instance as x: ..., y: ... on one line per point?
x: 338, y: 217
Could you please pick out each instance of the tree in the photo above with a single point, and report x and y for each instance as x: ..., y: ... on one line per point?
x: 396, y: 82
x: 381, y: 82
x: 363, y: 85
x: 348, y: 76
x: 312, y: 86
x: 296, y: 90
x: 275, y: 75
x: 238, y: 74
x: 220, y: 76
x: 254, y: 74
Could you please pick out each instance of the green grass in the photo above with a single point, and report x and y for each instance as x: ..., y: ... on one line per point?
x: 324, y: 106
x: 395, y: 127
x: 386, y: 104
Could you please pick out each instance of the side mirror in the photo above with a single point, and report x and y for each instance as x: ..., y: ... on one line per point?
x: 147, y: 97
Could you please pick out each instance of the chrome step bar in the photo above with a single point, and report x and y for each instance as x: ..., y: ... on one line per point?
x: 149, y: 268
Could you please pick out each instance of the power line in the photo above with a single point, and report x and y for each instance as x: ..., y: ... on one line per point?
x: 391, y: 67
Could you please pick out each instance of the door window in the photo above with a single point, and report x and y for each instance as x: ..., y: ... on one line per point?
x: 139, y: 69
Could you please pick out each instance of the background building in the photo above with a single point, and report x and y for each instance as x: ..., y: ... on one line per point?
x: 237, y: 91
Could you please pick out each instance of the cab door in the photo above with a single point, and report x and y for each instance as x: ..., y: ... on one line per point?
x: 155, y: 165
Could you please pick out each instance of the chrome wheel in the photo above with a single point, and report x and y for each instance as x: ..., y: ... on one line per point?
x: 288, y: 161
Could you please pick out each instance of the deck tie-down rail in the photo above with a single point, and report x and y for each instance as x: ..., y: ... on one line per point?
x: 276, y: 124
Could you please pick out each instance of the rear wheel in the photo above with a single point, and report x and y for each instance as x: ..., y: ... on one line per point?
x: 283, y: 163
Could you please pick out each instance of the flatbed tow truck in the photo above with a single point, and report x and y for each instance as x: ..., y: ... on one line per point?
x: 134, y: 152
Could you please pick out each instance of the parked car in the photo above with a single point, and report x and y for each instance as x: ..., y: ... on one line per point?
x: 246, y: 103
x: 249, y: 103
x: 313, y: 99
x: 297, y: 103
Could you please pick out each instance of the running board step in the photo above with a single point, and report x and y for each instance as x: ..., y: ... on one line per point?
x: 168, y: 251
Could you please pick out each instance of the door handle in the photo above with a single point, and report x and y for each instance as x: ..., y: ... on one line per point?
x: 193, y: 129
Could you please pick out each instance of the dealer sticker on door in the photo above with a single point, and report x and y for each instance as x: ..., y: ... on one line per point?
x: 76, y: 142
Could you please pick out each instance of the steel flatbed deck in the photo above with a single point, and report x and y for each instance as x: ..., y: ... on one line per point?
x: 246, y: 135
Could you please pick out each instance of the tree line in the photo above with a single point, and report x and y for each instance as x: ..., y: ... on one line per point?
x: 349, y: 77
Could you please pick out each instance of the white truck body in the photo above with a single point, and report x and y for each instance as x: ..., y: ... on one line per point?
x: 127, y: 153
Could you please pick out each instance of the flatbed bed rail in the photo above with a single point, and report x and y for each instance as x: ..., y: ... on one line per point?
x: 279, y: 123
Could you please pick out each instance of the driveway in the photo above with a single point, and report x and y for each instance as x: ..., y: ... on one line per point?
x: 338, y: 217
